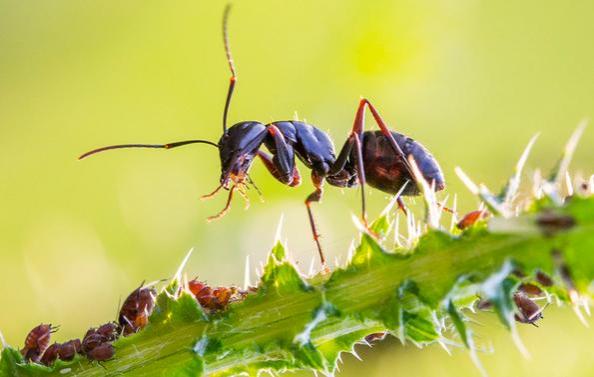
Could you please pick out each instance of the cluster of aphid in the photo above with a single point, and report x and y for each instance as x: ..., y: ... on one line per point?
x: 133, y: 316
x: 214, y: 299
x: 96, y: 345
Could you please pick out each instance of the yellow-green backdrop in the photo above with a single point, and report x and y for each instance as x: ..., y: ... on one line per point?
x: 471, y: 79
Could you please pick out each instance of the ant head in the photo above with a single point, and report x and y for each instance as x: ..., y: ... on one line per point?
x: 237, y: 148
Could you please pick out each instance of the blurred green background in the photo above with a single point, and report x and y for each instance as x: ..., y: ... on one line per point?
x: 471, y: 79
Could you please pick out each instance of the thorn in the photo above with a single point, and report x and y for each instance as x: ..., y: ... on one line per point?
x: 397, y: 231
x: 466, y: 180
x: 354, y: 353
x: 359, y: 225
x: 351, y: 251
x: 178, y: 273
x: 514, y: 182
x: 433, y: 212
x: 279, y: 229
x: 445, y: 347
x: 246, y: 277
x: 455, y: 213
x: 2, y: 341
x: 518, y: 342
x: 311, y: 267
x: 570, y: 147
x: 568, y: 184
x: 394, y: 200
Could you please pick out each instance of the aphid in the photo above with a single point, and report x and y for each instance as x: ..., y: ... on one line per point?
x: 551, y: 223
x: 376, y: 337
x: 378, y: 158
x: 214, y: 298
x: 102, y: 352
x: 544, y: 279
x: 528, y: 310
x: 37, y: 342
x: 68, y: 350
x: 530, y: 289
x: 136, y: 309
x: 91, y: 341
x: 110, y: 331
x: 50, y: 355
x: 472, y: 218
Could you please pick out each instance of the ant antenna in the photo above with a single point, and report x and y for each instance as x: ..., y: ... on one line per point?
x: 231, y: 65
x: 163, y: 146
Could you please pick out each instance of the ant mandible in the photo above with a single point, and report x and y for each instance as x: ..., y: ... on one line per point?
x: 377, y: 158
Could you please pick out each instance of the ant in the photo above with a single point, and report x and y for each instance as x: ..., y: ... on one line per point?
x: 378, y: 158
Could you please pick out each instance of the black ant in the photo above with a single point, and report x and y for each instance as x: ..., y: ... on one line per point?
x: 377, y: 158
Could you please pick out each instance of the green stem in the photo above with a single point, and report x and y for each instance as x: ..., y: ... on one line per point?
x: 296, y: 323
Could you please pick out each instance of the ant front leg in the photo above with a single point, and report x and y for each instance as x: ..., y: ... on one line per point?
x: 282, y: 163
x: 280, y: 176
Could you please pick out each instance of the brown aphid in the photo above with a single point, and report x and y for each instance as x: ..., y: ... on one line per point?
x: 37, y: 342
x: 472, y: 218
x: 530, y: 289
x: 91, y: 341
x: 50, y: 355
x: 68, y: 350
x: 102, y: 352
x: 136, y: 309
x: 214, y: 298
x: 110, y: 331
x: 528, y: 311
x: 551, y: 223
x: 544, y: 279
x: 484, y: 304
x: 376, y: 337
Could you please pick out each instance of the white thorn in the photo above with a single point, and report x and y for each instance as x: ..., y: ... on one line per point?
x: 279, y: 229
x: 454, y: 221
x: 311, y: 267
x: 591, y: 184
x: 178, y: 273
x: 351, y: 251
x: 580, y: 315
x: 296, y: 116
x: 537, y: 184
x: 394, y: 199
x: 397, y: 231
x: 568, y: 152
x: 467, y: 181
x: 359, y: 225
x: 568, y: 184
x: 445, y: 347
x: 474, y: 357
x: 433, y: 212
x: 514, y: 182
x: 247, y: 273
x: 518, y: 342
x: 2, y: 341
x: 356, y: 354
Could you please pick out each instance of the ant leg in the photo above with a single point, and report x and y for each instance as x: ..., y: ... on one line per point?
x: 227, y: 206
x: 361, y: 174
x: 212, y: 194
x: 283, y: 155
x: 315, y: 196
x: 402, y: 206
x: 272, y: 169
x: 387, y: 133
